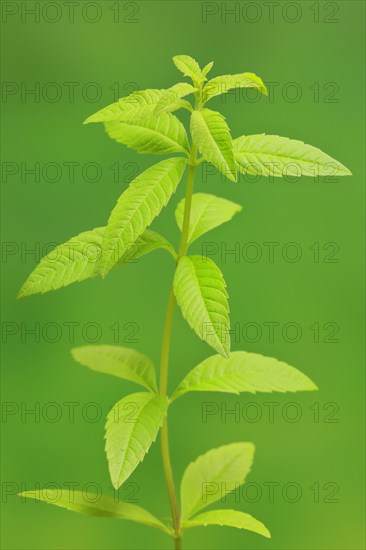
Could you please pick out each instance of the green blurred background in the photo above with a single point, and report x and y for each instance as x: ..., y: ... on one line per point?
x: 312, y: 53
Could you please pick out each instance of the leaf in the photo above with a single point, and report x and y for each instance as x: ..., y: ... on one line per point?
x: 228, y: 518
x: 170, y: 100
x: 118, y: 361
x: 147, y: 242
x: 207, y: 212
x: 244, y: 372
x: 222, y: 84
x: 213, y: 475
x: 200, y: 291
x: 138, y: 105
x: 72, y: 261
x: 76, y: 260
x: 207, y: 68
x: 189, y: 67
x: 162, y: 135
x: 102, y: 506
x: 137, y: 207
x: 132, y: 426
x: 212, y: 137
x: 278, y: 156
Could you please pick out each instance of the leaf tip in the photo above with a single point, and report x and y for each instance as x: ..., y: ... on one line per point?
x: 345, y: 171
x: 21, y: 294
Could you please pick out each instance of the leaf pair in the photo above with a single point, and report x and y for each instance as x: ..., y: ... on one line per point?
x: 76, y: 260
x: 124, y: 238
x: 206, y: 480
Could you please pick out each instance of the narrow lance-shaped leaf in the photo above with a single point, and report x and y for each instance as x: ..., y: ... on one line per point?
x: 132, y: 426
x: 72, y: 261
x: 277, y: 156
x: 189, y: 67
x: 228, y: 518
x: 160, y: 135
x: 211, y: 135
x: 136, y: 106
x: 200, y: 291
x: 118, y: 361
x: 76, y: 260
x: 137, y: 207
x: 223, y: 84
x: 207, y: 212
x: 207, y: 68
x: 244, y: 372
x: 96, y: 505
x: 213, y: 475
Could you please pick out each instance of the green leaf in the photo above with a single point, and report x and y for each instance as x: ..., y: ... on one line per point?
x: 200, y: 291
x: 137, y: 207
x: 212, y: 137
x: 279, y: 156
x: 244, y: 372
x: 162, y: 135
x: 207, y: 68
x: 148, y: 242
x: 138, y: 105
x: 189, y: 67
x: 76, y: 260
x: 222, y: 84
x: 207, y: 212
x: 171, y: 99
x: 102, y: 506
x: 228, y: 518
x: 213, y: 475
x: 132, y: 426
x: 72, y: 261
x: 118, y: 361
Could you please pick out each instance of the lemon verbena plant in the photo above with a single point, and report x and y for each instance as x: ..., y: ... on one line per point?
x: 145, y: 121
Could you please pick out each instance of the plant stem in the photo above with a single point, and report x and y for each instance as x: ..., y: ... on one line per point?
x: 164, y: 364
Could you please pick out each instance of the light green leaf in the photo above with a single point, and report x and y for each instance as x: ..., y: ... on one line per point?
x: 138, y: 105
x: 162, y: 135
x: 213, y: 475
x: 281, y: 156
x: 132, y: 426
x: 200, y: 291
x: 212, y: 137
x: 118, y: 361
x: 96, y: 505
x: 189, y: 67
x: 170, y: 100
x: 244, y: 372
x: 72, y: 261
x: 207, y: 212
x: 207, y: 68
x: 137, y: 207
x: 222, y: 84
x: 76, y: 260
x: 228, y: 518
x: 148, y: 242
